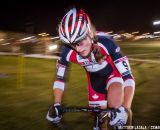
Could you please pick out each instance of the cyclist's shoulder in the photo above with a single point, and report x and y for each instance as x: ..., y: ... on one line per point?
x: 107, y: 42
x: 104, y: 38
x: 65, y: 49
x: 67, y: 54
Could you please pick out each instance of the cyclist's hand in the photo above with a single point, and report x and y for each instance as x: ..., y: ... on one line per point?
x: 118, y: 117
x: 54, y: 113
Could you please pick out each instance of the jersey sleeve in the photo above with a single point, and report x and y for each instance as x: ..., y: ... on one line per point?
x: 62, y: 66
x: 120, y: 61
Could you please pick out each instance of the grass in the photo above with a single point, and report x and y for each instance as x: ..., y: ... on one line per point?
x: 26, y: 91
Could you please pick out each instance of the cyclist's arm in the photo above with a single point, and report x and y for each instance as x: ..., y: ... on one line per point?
x: 58, y: 94
x: 59, y: 84
x: 122, y: 64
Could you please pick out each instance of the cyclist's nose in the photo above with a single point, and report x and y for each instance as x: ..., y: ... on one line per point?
x: 79, y: 48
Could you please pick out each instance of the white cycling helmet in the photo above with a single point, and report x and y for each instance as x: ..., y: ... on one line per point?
x: 74, y: 26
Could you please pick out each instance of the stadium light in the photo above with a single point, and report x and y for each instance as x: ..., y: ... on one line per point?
x: 156, y: 22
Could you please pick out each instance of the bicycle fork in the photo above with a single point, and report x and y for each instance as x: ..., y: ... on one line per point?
x: 99, y: 121
x: 96, y: 123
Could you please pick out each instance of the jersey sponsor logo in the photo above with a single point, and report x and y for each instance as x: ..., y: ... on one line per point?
x: 85, y: 62
x: 88, y: 63
x: 61, y: 71
x: 117, y: 49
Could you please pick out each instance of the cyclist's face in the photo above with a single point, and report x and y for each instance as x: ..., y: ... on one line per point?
x: 84, y: 47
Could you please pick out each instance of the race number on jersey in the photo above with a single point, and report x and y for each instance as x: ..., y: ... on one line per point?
x: 123, y: 66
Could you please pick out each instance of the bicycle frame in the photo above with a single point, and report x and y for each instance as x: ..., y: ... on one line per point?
x: 96, y: 111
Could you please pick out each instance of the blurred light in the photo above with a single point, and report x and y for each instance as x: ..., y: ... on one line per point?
x: 135, y: 32
x: 109, y: 32
x: 27, y: 38
x: 1, y: 40
x: 6, y: 44
x: 156, y: 22
x: 101, y: 33
x: 156, y: 36
x: 149, y: 36
x: 44, y: 35
x: 52, y: 47
x: 127, y: 35
x: 54, y: 38
x: 41, y: 34
x: 145, y: 34
x: 116, y: 36
x: 139, y: 37
x: 158, y: 32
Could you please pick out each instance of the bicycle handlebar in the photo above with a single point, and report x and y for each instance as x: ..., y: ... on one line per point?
x: 84, y: 109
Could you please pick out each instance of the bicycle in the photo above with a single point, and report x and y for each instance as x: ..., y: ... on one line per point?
x: 100, y: 120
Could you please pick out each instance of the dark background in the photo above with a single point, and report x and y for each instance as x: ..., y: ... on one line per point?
x: 36, y: 17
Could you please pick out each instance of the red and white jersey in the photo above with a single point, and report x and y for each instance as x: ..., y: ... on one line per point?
x: 97, y: 73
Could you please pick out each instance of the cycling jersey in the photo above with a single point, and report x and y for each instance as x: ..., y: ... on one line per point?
x: 114, y: 68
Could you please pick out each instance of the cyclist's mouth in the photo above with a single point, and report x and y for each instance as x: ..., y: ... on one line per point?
x: 83, y: 53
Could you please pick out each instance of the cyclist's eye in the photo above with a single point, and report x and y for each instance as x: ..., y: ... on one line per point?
x: 75, y: 44
x: 78, y: 44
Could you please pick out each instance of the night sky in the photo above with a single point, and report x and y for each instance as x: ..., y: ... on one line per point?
x: 106, y: 15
